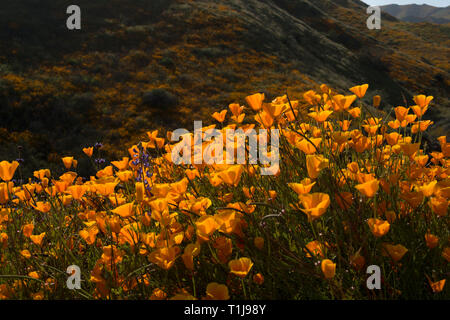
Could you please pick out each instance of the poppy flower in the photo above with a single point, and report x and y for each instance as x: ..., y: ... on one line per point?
x: 68, y: 161
x: 164, y: 257
x: 378, y: 227
x: 320, y: 116
x: 125, y: 211
x: 216, y: 291
x: 264, y: 119
x: 376, y: 101
x: 121, y: 165
x: 419, y: 111
x: 26, y: 254
x: 422, y: 101
x: 360, y: 91
x: 308, y: 146
x: 345, y: 125
x: 105, y: 189
x: 236, y: 109
x: 401, y: 113
x: 28, y: 229
x: 220, y: 117
x: 396, y: 252
x: 255, y: 101
x: 392, y: 138
x: 77, y: 191
x: 421, y: 126
x: 41, y: 206
x: 428, y: 188
x: 89, y: 234
x: 206, y: 225
x: 158, y: 294
x: 228, y: 222
x: 38, y: 238
x: 437, y: 286
x: 439, y: 205
x: 3, y: 241
x: 315, y: 204
x: 328, y: 268
x: 315, y: 164
x: 369, y: 188
x: 303, y: 187
x: 431, y: 240
x: 232, y: 176
x: 192, y: 250
x: 7, y: 170
x: 88, y: 151
x: 446, y: 254
x: 258, y: 278
x: 312, y: 97
x: 240, y: 267
x: 274, y: 110
x: 355, y: 112
x: 341, y: 102
x: 259, y: 242
x: 316, y: 248
x: 41, y: 174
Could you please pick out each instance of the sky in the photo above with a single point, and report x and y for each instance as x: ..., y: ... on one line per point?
x: 436, y: 3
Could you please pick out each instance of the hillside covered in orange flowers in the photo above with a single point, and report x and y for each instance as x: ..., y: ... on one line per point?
x: 137, y: 65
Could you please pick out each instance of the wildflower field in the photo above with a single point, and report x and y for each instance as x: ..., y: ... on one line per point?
x: 355, y: 187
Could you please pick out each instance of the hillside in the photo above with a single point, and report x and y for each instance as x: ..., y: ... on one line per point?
x: 139, y: 65
x: 418, y: 13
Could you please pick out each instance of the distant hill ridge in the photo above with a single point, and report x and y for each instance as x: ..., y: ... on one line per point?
x: 419, y: 13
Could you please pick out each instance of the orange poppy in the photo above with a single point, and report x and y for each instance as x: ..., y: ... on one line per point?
x: 255, y: 101
x: 308, y: 146
x: 431, y: 240
x: 220, y: 117
x: 215, y: 291
x: 315, y: 204
x: 360, y: 91
x: 68, y: 161
x: 320, y: 116
x: 437, y: 286
x: 303, y: 187
x: 422, y: 100
x: 206, y: 226
x: 328, y: 268
x: 378, y: 227
x: 240, y: 267
x: 396, y: 252
x: 7, y: 170
x: 88, y: 151
x: 369, y: 188
x: 315, y: 164
x: 232, y: 176
x: 125, y: 210
x: 121, y: 165
x: 38, y: 239
x: 376, y: 101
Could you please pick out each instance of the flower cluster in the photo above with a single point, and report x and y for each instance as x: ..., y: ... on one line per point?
x: 355, y: 187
